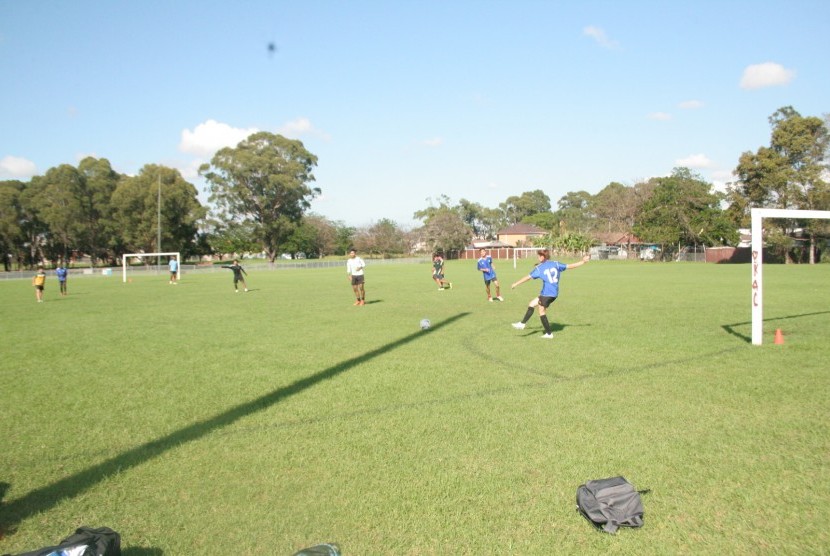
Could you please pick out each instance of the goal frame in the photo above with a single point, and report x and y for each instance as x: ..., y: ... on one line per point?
x: 125, y: 257
x: 757, y: 299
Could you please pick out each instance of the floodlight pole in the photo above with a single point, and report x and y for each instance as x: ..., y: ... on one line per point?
x: 158, y: 240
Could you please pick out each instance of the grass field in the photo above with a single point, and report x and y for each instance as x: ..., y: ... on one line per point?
x: 194, y: 420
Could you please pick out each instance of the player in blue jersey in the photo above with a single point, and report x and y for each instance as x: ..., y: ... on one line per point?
x: 173, y: 265
x: 485, y: 266
x: 549, y: 272
x: 61, y: 272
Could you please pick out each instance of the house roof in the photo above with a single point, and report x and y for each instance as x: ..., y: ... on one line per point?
x: 522, y: 230
x: 616, y: 238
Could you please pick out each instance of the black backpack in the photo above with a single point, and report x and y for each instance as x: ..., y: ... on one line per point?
x: 98, y: 542
x: 610, y: 503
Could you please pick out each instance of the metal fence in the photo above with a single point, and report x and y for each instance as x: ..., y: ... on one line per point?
x: 154, y: 270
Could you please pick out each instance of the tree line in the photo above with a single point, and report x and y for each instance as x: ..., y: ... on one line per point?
x: 260, y: 192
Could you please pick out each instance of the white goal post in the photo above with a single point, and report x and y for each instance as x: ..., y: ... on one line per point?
x: 126, y: 257
x: 758, y: 214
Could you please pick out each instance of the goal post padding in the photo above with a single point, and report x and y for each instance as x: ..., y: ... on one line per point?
x: 127, y: 256
x: 758, y: 214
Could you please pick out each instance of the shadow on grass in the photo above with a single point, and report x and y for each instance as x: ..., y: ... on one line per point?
x: 46, y: 497
x: 140, y: 551
x: 555, y: 327
x: 730, y: 328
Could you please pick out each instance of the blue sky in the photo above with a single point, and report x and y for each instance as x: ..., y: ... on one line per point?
x: 405, y: 101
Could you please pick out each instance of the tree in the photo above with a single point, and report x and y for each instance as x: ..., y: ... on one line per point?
x: 683, y: 209
x: 790, y: 173
x: 231, y: 237
x: 135, y: 204
x: 11, y: 233
x: 100, y: 181
x: 527, y: 204
x: 447, y: 232
x: 574, y: 214
x: 381, y: 239
x: 263, y: 180
x: 58, y: 206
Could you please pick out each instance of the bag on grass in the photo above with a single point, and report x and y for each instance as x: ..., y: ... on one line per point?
x: 326, y: 549
x: 610, y: 503
x: 86, y: 541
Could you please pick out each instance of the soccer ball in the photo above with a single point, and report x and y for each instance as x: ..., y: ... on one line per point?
x: 424, y: 324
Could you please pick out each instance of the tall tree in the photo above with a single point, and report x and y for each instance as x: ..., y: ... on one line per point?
x: 100, y: 181
x: 790, y: 173
x: 59, y: 206
x: 11, y: 233
x: 263, y: 180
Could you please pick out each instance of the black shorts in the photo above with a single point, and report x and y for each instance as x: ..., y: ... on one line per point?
x: 545, y: 301
x: 437, y: 276
x: 357, y: 280
x: 487, y: 282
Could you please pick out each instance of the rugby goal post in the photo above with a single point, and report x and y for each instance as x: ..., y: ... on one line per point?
x: 758, y: 214
x: 126, y: 257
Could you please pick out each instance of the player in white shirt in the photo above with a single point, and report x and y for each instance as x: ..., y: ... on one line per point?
x: 354, y: 272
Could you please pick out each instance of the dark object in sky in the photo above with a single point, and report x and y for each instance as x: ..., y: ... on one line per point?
x: 272, y: 48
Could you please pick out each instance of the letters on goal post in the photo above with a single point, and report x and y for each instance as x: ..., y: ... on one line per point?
x: 758, y: 214
x: 125, y: 258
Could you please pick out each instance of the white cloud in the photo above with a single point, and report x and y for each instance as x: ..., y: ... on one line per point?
x: 661, y: 116
x: 14, y: 167
x: 301, y: 126
x: 690, y: 104
x: 768, y: 74
x: 694, y: 161
x: 434, y: 142
x: 211, y: 136
x: 598, y: 34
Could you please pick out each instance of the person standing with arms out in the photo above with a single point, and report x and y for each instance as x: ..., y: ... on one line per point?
x: 485, y: 266
x: 438, y: 272
x: 354, y: 272
x: 39, y: 282
x: 61, y: 272
x: 549, y: 272
x: 174, y: 270
x: 237, y: 275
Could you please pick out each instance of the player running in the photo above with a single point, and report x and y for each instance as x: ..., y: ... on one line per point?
x: 438, y: 272
x: 549, y: 273
x: 238, y: 271
x: 485, y: 266
x: 354, y: 272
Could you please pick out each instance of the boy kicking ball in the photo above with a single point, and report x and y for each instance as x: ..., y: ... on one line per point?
x: 549, y: 273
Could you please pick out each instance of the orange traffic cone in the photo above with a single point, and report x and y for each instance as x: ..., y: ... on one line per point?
x: 779, y: 337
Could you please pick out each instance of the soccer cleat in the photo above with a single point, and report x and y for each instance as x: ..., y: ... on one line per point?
x: 500, y: 298
x: 440, y: 289
x: 246, y: 289
x: 237, y: 291
x: 519, y: 325
x: 450, y: 283
x: 490, y: 299
x: 547, y: 336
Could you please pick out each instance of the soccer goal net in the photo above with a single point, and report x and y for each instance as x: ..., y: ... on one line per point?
x: 758, y: 216
x: 126, y: 258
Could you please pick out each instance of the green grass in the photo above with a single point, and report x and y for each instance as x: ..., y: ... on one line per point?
x: 192, y: 419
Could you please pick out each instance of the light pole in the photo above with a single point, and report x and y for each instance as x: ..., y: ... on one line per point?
x: 158, y: 238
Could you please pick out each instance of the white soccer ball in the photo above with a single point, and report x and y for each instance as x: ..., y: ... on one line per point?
x: 425, y: 324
